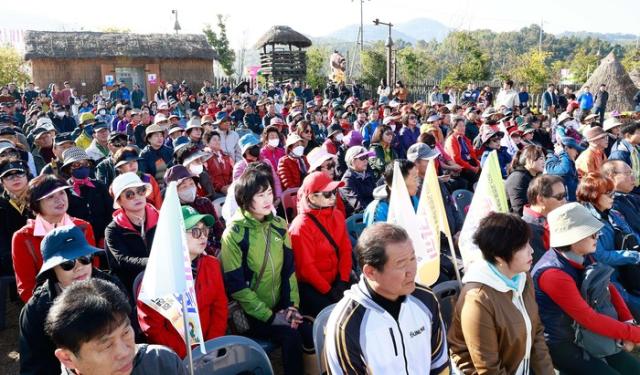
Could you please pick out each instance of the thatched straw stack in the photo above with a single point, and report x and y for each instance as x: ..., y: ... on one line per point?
x: 612, y: 74
x: 635, y: 77
x: 283, y: 35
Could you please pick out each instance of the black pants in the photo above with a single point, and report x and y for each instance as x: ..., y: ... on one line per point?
x: 291, y: 340
x: 311, y: 301
x: 569, y: 360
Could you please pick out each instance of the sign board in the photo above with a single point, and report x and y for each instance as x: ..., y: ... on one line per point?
x: 109, y: 80
x: 152, y: 78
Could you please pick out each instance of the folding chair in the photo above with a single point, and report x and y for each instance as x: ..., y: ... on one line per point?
x: 319, y: 326
x: 290, y: 204
x: 230, y: 355
x: 462, y: 200
x: 447, y: 294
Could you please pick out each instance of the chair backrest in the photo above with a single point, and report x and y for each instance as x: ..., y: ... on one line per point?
x: 462, y: 199
x: 230, y: 355
x: 355, y: 225
x: 447, y: 293
x: 290, y: 203
x: 217, y: 204
x: 319, y: 326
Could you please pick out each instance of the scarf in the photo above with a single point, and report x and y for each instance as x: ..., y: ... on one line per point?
x: 510, y: 283
x: 77, y: 183
x: 42, y: 227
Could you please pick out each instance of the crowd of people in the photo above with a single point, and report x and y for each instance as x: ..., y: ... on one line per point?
x: 83, y: 181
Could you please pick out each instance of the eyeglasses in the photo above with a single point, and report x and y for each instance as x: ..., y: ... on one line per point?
x: 14, y: 176
x: 197, y: 232
x: 559, y: 196
x: 328, y: 166
x: 610, y: 194
x: 131, y: 193
x: 80, y: 164
x: 71, y: 264
x: 328, y: 194
x: 308, y: 131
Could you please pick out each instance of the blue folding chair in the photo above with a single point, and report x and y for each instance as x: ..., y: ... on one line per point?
x: 318, y: 334
x: 447, y: 294
x: 230, y: 355
x: 355, y: 225
x: 462, y: 200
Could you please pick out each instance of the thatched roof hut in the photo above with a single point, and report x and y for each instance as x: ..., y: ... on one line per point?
x: 283, y: 35
x: 49, y: 44
x: 612, y: 74
x: 635, y: 77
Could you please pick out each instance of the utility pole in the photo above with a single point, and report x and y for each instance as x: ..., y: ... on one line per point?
x: 361, y: 30
x: 389, y: 46
x: 176, y: 25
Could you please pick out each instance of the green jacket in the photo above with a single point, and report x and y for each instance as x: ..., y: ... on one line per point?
x: 242, y: 254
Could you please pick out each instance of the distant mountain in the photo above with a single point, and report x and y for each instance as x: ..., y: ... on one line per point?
x: 411, y: 31
x: 610, y: 37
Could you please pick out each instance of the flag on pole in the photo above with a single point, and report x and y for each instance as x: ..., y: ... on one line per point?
x: 506, y: 141
x: 422, y: 235
x: 490, y: 196
x: 168, y: 277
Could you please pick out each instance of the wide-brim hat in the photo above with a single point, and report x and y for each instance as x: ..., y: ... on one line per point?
x: 194, y: 123
x: 291, y: 140
x: 155, y: 128
x: 220, y: 117
x: 490, y: 134
x: 611, y: 123
x: 563, y: 117
x: 247, y: 141
x: 421, y: 151
x: 72, y: 155
x: 595, y: 133
x: 490, y: 111
x: 333, y: 129
x: 126, y: 181
x: 317, y: 156
x: 126, y: 157
x: 63, y: 244
x: 571, y: 223
x: 175, y: 128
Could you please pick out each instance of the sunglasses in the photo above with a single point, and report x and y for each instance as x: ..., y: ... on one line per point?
x: 118, y: 144
x: 14, y: 176
x: 199, y: 232
x: 71, y: 264
x: 131, y: 193
x: 328, y: 194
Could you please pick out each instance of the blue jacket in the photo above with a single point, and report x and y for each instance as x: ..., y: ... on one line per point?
x: 621, y: 150
x: 378, y: 209
x: 367, y: 132
x: 148, y: 158
x: 504, y: 158
x: 629, y: 206
x: 586, y: 100
x: 562, y: 165
x: 408, y: 137
x: 606, y: 251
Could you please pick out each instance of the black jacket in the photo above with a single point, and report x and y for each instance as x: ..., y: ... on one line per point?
x: 629, y: 206
x: 36, y: 348
x: 93, y: 205
x: 516, y: 185
x: 357, y: 192
x: 106, y: 171
x: 10, y: 221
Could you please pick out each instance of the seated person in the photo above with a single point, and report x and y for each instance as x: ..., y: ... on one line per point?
x: 359, y: 180
x: 379, y: 208
x: 126, y: 160
x: 625, y: 200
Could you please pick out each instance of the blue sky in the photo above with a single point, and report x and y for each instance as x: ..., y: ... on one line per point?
x: 247, y: 20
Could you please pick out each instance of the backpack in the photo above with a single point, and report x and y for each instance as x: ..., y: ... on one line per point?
x: 629, y: 273
x: 595, y: 291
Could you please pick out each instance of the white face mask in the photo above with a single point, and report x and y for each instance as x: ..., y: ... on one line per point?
x: 339, y: 137
x: 187, y: 195
x: 298, y: 151
x: 274, y: 142
x: 60, y: 114
x: 196, y: 169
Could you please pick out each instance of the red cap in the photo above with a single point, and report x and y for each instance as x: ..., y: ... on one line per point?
x: 317, y: 182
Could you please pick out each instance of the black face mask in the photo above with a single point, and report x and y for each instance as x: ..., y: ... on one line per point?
x: 254, y: 151
x: 492, y: 122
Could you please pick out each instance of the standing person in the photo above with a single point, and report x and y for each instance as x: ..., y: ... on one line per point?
x: 258, y: 266
x: 600, y: 102
x: 496, y: 327
x: 209, y: 290
x: 523, y: 96
x: 48, y: 200
x: 14, y: 206
x: 550, y: 101
x: 129, y: 236
x: 67, y: 259
x: 384, y: 91
x: 388, y: 306
x: 508, y: 97
x: 322, y: 258
x: 592, y: 158
x: 557, y: 276
x: 90, y: 327
x: 586, y: 102
x: 137, y: 96
x: 545, y: 193
x: 526, y: 164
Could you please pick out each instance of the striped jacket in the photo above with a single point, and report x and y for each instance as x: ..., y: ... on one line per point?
x: 363, y: 338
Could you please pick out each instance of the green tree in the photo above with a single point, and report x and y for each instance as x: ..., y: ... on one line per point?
x: 374, y: 63
x: 415, y: 65
x: 631, y: 60
x: 115, y: 29
x: 464, y: 59
x: 317, y: 66
x: 583, y: 64
x: 220, y: 43
x: 530, y: 68
x: 12, y: 67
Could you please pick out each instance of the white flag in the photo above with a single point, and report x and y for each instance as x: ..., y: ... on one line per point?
x: 168, y: 277
x: 506, y: 141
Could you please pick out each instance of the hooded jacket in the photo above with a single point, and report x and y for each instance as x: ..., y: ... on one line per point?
x: 317, y: 262
x: 496, y: 329
x: 127, y: 250
x: 212, y: 309
x: 363, y: 338
x: 243, y: 252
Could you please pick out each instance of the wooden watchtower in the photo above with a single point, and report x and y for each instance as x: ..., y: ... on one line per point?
x: 278, y: 58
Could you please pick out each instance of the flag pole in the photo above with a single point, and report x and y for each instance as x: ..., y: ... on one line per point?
x: 454, y: 260
x: 187, y: 337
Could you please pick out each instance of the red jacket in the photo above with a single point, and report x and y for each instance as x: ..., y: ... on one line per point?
x: 452, y: 147
x: 289, y: 172
x: 315, y: 258
x: 27, y: 256
x: 220, y: 171
x: 212, y: 307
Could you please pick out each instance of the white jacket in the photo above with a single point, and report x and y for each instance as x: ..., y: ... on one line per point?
x: 480, y: 272
x: 363, y: 338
